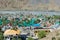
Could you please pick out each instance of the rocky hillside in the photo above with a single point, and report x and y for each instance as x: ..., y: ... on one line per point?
x: 12, y: 4
x: 28, y: 5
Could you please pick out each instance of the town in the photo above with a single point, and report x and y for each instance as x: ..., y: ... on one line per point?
x: 24, y: 26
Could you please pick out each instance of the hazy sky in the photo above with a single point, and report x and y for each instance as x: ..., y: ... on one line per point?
x: 34, y: 2
x: 38, y: 1
x: 57, y: 2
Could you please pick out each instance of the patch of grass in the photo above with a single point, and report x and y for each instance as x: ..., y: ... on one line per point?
x: 41, y: 34
x: 30, y: 38
x: 1, y: 36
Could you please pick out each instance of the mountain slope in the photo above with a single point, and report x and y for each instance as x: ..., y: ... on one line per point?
x: 40, y: 5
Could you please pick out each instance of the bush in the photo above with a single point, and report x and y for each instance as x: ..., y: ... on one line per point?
x: 53, y: 38
x: 58, y: 38
x: 41, y: 34
x: 15, y: 39
x: 57, y: 34
x: 30, y: 38
x: 1, y: 36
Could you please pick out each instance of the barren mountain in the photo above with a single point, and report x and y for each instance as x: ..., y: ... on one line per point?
x: 40, y: 5
x: 12, y: 4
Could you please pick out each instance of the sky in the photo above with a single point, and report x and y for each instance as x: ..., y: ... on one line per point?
x: 35, y: 2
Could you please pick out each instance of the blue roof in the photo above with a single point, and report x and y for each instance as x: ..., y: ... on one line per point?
x: 36, y: 25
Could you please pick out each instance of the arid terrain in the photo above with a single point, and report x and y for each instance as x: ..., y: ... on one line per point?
x: 55, y: 33
x: 29, y: 5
